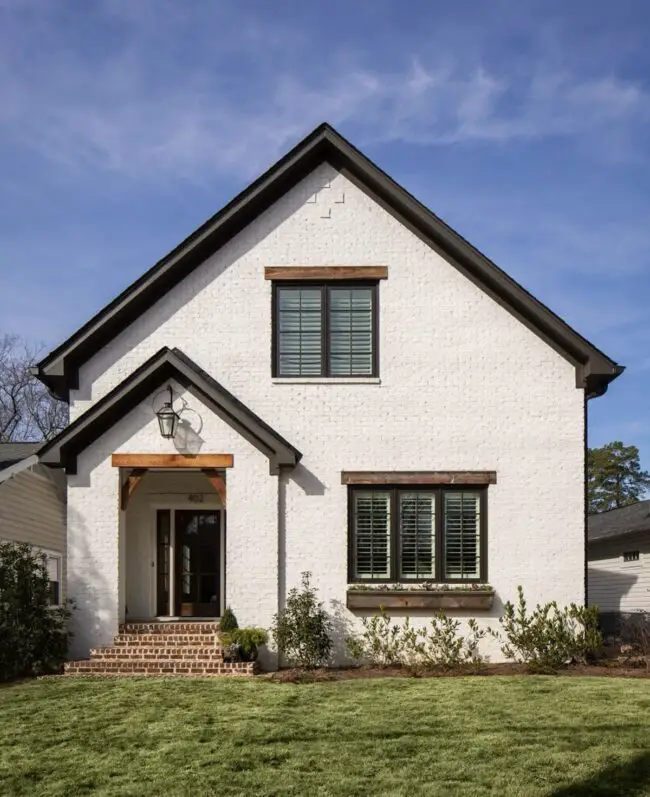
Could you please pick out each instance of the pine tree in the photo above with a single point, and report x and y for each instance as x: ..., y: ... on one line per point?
x: 615, y: 478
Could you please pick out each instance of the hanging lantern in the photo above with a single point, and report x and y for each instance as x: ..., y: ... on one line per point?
x: 168, y: 418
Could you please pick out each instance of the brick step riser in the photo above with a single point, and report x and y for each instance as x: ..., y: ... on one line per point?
x: 166, y: 640
x: 169, y: 628
x: 156, y: 668
x: 140, y: 655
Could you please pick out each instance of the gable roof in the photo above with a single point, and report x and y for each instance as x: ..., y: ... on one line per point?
x: 619, y: 522
x: 59, y: 370
x: 166, y: 364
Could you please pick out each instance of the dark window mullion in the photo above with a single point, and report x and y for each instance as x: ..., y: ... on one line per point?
x: 395, y: 558
x: 375, y: 330
x: 440, y: 550
x: 325, y: 330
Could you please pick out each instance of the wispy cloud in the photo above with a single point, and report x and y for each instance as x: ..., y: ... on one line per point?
x: 122, y: 109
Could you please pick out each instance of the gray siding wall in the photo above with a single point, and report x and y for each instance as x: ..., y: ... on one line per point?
x: 615, y: 585
x: 32, y: 510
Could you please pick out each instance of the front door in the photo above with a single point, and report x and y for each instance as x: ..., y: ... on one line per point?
x: 189, y: 563
x: 196, y: 551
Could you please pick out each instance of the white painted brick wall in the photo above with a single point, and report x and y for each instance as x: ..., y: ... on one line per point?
x: 464, y: 385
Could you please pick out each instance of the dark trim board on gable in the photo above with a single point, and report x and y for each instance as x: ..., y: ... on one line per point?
x: 167, y: 364
x: 59, y: 370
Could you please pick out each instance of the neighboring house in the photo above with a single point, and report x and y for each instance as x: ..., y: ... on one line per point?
x: 32, y: 507
x: 366, y: 395
x: 618, y: 552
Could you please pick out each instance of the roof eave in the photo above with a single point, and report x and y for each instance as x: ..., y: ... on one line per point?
x: 59, y: 370
x: 166, y: 364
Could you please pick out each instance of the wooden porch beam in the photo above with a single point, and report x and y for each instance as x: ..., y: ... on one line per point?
x: 172, y: 461
x: 131, y: 485
x: 218, y: 482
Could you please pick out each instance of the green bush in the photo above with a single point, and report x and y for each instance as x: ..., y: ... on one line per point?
x: 242, y: 644
x: 384, y: 643
x: 548, y: 637
x: 228, y: 621
x: 33, y: 635
x: 380, y: 643
x: 444, y: 648
x: 302, y: 629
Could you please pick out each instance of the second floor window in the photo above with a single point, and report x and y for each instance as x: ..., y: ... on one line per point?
x: 325, y: 329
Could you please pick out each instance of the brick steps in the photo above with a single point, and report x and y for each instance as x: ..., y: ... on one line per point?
x: 166, y: 640
x: 159, y: 649
x: 192, y: 652
x: 183, y: 628
x: 153, y: 667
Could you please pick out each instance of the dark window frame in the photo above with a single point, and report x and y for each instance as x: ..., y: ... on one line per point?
x: 325, y: 286
x: 395, y: 546
x: 631, y: 556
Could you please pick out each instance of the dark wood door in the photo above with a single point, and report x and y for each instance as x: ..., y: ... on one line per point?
x: 197, y: 554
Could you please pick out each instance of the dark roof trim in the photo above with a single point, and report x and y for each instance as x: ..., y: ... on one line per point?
x: 166, y: 364
x: 59, y: 370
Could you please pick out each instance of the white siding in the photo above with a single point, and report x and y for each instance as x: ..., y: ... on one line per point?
x: 32, y: 510
x: 614, y: 584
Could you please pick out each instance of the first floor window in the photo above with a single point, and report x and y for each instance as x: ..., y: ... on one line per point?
x: 53, y: 564
x: 417, y: 534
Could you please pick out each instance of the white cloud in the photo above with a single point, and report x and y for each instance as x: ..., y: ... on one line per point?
x: 127, y: 109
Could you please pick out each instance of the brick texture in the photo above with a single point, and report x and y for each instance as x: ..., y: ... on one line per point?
x: 464, y: 385
x: 159, y: 649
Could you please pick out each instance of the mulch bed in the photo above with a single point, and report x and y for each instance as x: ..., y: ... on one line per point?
x: 608, y: 669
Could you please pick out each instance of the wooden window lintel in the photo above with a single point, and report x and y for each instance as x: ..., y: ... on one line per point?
x: 454, y: 477
x: 325, y: 273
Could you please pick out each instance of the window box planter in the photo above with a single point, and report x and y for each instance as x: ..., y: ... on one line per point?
x: 420, y: 599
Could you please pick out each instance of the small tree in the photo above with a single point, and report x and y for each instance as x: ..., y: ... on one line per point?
x: 615, y: 478
x: 28, y: 411
x: 302, y: 629
x: 33, y: 635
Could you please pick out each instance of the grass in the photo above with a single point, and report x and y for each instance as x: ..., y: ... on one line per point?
x: 449, y: 736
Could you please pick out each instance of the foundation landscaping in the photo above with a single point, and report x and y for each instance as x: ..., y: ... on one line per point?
x: 310, y: 729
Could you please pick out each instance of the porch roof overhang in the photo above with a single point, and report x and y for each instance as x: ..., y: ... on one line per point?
x: 167, y: 364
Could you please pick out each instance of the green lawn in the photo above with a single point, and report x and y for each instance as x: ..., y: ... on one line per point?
x: 448, y: 736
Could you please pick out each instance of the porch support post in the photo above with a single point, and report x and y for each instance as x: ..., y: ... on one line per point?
x: 218, y: 482
x: 131, y: 485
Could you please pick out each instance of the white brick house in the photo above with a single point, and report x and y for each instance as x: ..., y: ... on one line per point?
x: 363, y: 393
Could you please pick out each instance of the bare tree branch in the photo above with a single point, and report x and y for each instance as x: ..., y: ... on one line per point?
x: 27, y: 410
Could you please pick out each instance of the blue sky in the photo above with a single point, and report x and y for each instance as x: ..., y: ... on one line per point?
x: 126, y: 123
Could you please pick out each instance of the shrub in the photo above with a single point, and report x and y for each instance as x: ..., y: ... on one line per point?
x: 302, y: 629
x: 548, y: 637
x: 384, y: 643
x: 444, y: 648
x: 33, y: 635
x: 241, y: 644
x: 228, y: 621
x: 380, y: 643
x: 635, y: 632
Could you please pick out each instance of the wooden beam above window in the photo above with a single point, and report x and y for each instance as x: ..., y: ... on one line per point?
x: 324, y: 273
x: 460, y: 477
x: 172, y: 460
